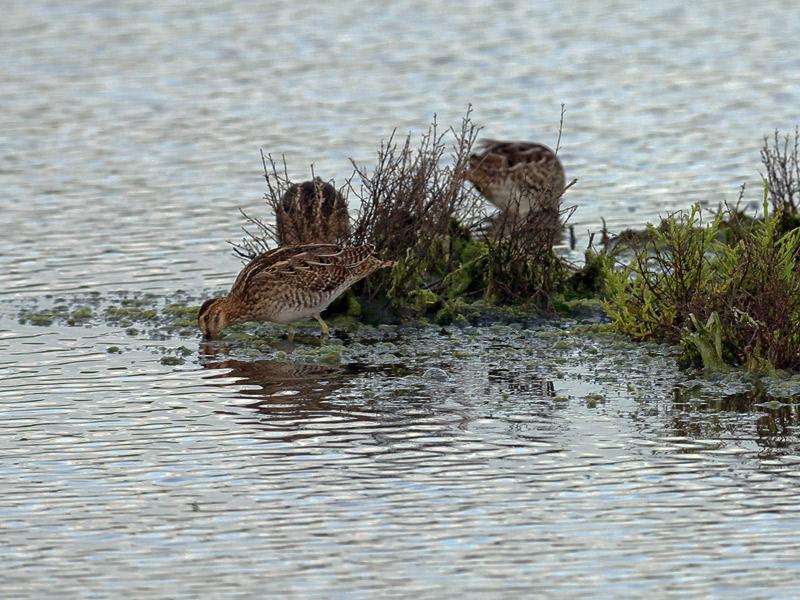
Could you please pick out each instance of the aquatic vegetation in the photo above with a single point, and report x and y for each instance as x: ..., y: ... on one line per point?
x: 171, y: 361
x: 725, y: 301
x: 80, y: 314
x: 181, y: 315
x: 725, y: 290
x: 416, y: 209
x: 134, y: 313
x: 41, y: 318
x: 130, y: 314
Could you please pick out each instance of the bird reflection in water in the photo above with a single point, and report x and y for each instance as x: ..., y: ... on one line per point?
x: 278, y: 387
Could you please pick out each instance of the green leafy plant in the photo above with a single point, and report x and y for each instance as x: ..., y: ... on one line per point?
x: 734, y: 301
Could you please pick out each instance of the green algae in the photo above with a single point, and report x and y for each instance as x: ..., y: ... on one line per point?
x: 80, y: 314
x: 353, y: 306
x: 592, y: 400
x: 41, y: 319
x: 135, y: 313
x: 181, y: 315
x: 172, y: 360
x: 344, y: 322
x: 130, y: 313
x: 581, y: 308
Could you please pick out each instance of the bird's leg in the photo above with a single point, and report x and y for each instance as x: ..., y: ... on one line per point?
x: 290, y: 333
x: 323, y: 325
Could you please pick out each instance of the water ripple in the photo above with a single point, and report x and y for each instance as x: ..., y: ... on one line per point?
x: 495, y: 477
x: 129, y: 137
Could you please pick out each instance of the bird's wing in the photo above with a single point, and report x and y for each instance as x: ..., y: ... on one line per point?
x: 271, y: 262
x: 311, y: 267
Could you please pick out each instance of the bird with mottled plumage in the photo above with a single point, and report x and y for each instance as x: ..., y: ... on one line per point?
x: 311, y: 212
x: 289, y: 284
x: 519, y: 178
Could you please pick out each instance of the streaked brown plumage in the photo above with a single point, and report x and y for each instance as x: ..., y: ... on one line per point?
x: 311, y: 212
x: 518, y: 177
x: 289, y: 284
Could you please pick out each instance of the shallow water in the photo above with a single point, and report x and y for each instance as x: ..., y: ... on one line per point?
x: 408, y: 462
x: 530, y: 461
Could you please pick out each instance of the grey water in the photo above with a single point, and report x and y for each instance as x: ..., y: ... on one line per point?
x: 491, y: 462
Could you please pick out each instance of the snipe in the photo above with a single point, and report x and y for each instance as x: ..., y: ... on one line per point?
x: 519, y: 178
x: 289, y: 284
x: 312, y: 211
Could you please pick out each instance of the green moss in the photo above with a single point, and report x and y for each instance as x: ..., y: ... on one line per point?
x: 353, y: 306
x: 580, y: 307
x: 172, y: 360
x: 457, y: 267
x: 590, y: 280
x: 181, y: 315
x: 130, y: 313
x: 81, y: 314
x: 41, y: 319
x: 452, y: 310
x: 422, y: 299
x: 340, y: 322
x: 592, y: 400
x: 113, y: 350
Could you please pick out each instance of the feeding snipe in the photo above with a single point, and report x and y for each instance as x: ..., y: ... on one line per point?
x: 312, y: 211
x: 289, y: 284
x: 518, y: 177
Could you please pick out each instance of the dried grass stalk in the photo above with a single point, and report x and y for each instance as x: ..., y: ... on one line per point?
x: 779, y: 155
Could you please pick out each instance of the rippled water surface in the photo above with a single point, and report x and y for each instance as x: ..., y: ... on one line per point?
x: 406, y: 462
